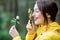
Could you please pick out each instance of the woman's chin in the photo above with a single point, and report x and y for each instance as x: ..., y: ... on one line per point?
x: 36, y: 23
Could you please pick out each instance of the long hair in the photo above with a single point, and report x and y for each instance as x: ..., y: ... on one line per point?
x: 48, y: 6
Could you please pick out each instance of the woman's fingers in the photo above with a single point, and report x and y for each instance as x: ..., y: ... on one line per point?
x: 13, y: 32
x: 30, y: 27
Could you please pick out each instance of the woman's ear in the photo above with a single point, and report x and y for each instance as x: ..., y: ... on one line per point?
x: 48, y: 16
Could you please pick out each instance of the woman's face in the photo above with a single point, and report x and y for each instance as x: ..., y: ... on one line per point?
x: 38, y: 17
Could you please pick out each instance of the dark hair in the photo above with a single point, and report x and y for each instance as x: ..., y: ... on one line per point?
x: 48, y: 6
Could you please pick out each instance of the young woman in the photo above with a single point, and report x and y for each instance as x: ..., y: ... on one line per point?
x: 44, y: 14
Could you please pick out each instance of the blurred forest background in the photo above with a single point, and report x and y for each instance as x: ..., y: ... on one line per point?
x: 9, y: 9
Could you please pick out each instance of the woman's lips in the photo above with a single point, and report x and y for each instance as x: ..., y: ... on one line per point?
x: 35, y: 18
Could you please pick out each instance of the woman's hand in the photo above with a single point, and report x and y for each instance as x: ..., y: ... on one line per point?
x: 30, y: 27
x: 13, y: 32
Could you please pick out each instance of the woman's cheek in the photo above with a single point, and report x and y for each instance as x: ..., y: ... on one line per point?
x: 39, y: 21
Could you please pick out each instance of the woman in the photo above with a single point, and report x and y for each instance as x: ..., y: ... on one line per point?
x: 44, y: 14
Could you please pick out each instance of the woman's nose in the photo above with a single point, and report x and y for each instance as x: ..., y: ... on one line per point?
x: 33, y: 14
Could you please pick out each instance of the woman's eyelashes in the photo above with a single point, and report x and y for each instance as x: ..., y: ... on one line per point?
x: 36, y: 11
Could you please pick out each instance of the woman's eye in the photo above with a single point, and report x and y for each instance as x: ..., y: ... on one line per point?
x: 37, y: 11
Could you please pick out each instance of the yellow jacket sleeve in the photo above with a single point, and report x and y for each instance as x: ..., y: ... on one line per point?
x: 53, y: 35
x: 30, y: 36
x: 17, y: 38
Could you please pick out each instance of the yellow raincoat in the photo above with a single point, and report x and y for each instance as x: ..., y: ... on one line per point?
x: 52, y: 33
